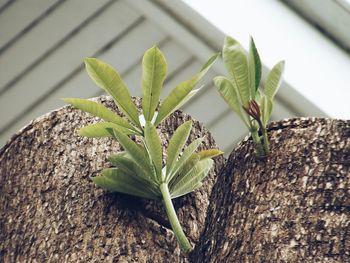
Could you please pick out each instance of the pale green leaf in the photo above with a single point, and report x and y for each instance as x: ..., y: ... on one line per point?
x: 186, y: 155
x: 188, y: 165
x: 254, y: 69
x: 187, y: 190
x: 135, y: 151
x: 114, y: 180
x: 196, y: 157
x: 210, y: 153
x: 189, y: 181
x: 123, y: 162
x: 99, y: 110
x: 209, y: 63
x: 107, y: 78
x: 118, y: 154
x: 98, y: 130
x: 236, y: 63
x: 181, y: 93
x: 154, y: 147
x: 230, y: 93
x: 274, y: 80
x: 266, y: 106
x: 154, y: 70
x: 186, y: 99
x: 176, y: 143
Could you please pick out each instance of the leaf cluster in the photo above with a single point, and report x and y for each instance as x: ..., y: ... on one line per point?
x: 153, y: 75
x: 139, y: 169
x: 241, y: 86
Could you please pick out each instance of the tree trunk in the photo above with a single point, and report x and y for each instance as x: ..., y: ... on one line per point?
x: 293, y: 206
x: 52, y: 212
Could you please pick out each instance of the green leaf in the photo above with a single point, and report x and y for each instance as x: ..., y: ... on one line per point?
x: 235, y: 61
x: 274, y: 80
x: 187, y: 98
x: 134, y: 150
x: 176, y: 143
x: 154, y: 147
x: 114, y: 180
x: 186, y: 167
x: 123, y: 162
x: 210, y: 153
x: 188, y: 182
x: 154, y: 70
x: 186, y: 155
x: 182, y: 92
x: 196, y: 157
x: 108, y: 79
x: 131, y: 168
x: 254, y: 68
x: 98, y: 130
x: 266, y: 108
x: 99, y: 110
x: 230, y: 95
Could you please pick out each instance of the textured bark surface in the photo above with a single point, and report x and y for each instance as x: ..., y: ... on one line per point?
x: 52, y: 212
x: 294, y: 206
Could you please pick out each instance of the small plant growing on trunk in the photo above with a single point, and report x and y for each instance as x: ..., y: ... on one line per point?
x: 241, y: 89
x: 139, y: 170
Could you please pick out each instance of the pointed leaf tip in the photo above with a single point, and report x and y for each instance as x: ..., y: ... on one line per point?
x: 182, y: 92
x: 274, y: 80
x: 176, y: 143
x: 254, y: 68
x: 154, y: 69
x: 107, y: 78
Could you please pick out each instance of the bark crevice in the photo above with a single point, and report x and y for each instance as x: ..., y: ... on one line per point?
x: 293, y: 206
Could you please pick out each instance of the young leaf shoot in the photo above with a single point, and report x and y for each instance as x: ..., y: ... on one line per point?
x: 139, y: 170
x: 242, y: 93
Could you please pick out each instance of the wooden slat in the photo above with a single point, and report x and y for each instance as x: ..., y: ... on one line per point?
x: 45, y: 38
x: 4, y: 4
x: 22, y: 16
x: 123, y: 55
x: 332, y: 18
x: 176, y: 29
x: 58, y: 65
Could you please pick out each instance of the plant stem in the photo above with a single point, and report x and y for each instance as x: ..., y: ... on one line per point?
x: 266, y: 141
x: 258, y: 145
x: 174, y: 221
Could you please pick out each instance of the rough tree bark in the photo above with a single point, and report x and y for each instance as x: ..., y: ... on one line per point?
x: 293, y: 206
x: 52, y: 212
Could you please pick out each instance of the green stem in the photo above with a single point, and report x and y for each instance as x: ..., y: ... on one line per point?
x: 258, y: 145
x: 174, y: 221
x: 266, y: 141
